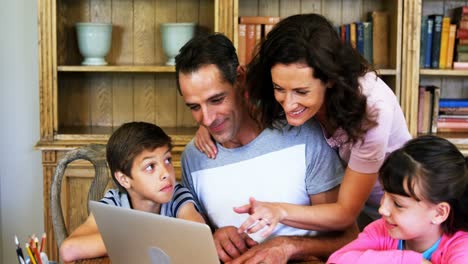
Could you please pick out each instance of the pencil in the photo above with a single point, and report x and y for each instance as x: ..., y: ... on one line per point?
x: 19, y: 251
x: 31, y: 256
x: 42, y: 242
x: 35, y: 252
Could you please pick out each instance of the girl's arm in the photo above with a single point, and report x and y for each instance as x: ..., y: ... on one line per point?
x: 338, y: 215
x: 205, y: 143
x: 374, y: 245
x: 84, y: 242
x: 188, y: 212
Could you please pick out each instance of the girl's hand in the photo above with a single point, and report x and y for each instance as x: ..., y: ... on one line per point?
x: 205, y: 143
x: 262, y: 214
x: 425, y: 261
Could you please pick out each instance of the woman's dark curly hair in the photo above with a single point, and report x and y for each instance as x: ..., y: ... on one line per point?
x: 311, y: 39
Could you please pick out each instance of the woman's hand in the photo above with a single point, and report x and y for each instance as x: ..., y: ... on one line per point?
x: 262, y: 214
x: 205, y: 143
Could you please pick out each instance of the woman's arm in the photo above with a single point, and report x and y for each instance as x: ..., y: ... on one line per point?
x: 84, y: 242
x: 323, y: 214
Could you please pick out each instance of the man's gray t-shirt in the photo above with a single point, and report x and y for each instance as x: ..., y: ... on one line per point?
x: 284, y: 165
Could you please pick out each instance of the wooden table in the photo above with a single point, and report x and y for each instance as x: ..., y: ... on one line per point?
x: 106, y: 260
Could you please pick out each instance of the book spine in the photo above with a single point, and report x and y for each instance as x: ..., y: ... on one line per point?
x: 352, y: 35
x: 368, y: 41
x: 453, y: 102
x: 458, y: 65
x: 451, y: 46
x: 462, y: 48
x: 422, y: 50
x: 422, y: 89
x: 380, y: 38
x: 427, y: 58
x: 435, y: 108
x: 348, y: 33
x: 259, y: 20
x: 444, y: 42
x: 462, y: 33
x: 436, y: 36
x: 343, y: 33
x: 241, y: 43
x: 360, y: 37
x: 462, y: 57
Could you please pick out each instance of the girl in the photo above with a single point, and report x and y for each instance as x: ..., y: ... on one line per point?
x: 304, y: 71
x: 424, y: 209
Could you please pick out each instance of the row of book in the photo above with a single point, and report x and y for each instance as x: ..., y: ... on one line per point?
x: 252, y: 29
x: 437, y: 114
x: 370, y: 38
x: 443, y: 45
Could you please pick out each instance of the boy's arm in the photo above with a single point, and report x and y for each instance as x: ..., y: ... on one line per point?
x: 84, y: 242
x: 188, y: 212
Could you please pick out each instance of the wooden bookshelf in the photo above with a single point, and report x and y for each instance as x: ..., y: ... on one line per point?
x: 453, y: 83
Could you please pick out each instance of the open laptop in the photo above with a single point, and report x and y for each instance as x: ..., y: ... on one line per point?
x: 133, y: 236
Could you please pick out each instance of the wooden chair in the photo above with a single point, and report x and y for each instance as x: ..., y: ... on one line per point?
x: 94, y: 153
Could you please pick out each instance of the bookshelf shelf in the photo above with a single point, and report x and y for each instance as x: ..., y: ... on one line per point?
x: 117, y: 68
x: 387, y: 72
x: 435, y: 72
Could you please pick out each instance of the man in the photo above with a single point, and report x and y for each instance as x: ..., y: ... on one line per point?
x: 289, y: 165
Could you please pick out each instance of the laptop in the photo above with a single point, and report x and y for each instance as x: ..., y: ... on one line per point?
x: 133, y: 236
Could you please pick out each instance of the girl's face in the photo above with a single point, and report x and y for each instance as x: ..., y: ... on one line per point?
x: 299, y: 93
x: 409, y: 219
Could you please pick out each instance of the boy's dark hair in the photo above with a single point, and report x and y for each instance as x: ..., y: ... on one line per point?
x: 206, y: 49
x: 311, y: 39
x: 438, y: 168
x: 128, y: 141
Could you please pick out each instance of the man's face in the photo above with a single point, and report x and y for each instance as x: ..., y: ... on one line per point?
x: 214, y: 102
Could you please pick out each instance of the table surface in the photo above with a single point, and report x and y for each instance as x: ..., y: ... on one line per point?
x: 106, y: 260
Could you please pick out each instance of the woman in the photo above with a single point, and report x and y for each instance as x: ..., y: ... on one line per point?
x: 303, y: 71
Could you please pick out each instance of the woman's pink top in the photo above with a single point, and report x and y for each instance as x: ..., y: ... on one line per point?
x: 390, y: 133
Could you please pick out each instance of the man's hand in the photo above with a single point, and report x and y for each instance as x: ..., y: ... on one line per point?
x: 230, y: 244
x: 271, y: 251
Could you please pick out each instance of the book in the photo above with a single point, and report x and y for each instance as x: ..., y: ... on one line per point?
x: 435, y: 92
x: 462, y: 57
x: 460, y: 13
x: 462, y: 33
x: 458, y: 65
x: 436, y: 37
x: 380, y: 23
x: 343, y: 33
x: 453, y: 110
x: 265, y: 20
x: 427, y: 57
x: 422, y: 90
x: 462, y: 41
x: 449, y: 126
x: 453, y: 119
x: 423, y: 41
x: 241, y: 43
x: 347, y: 34
x: 368, y: 41
x: 463, y: 24
x: 360, y: 37
x: 451, y: 46
x: 352, y: 35
x: 453, y: 102
x: 444, y: 42
x: 462, y: 48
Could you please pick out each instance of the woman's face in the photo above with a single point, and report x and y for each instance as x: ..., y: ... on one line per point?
x: 299, y: 93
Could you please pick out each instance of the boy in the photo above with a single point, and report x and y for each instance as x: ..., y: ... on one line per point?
x: 139, y: 157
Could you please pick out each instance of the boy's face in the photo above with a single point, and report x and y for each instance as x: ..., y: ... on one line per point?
x: 153, y: 177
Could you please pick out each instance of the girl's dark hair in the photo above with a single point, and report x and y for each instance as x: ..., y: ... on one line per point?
x: 439, y: 170
x: 130, y: 140
x: 311, y: 39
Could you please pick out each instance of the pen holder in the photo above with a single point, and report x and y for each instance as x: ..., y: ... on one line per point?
x: 44, y: 259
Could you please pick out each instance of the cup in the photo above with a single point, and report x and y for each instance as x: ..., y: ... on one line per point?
x: 94, y: 41
x: 174, y: 36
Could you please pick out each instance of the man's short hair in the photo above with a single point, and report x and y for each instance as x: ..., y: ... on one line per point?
x: 207, y: 49
x: 130, y: 140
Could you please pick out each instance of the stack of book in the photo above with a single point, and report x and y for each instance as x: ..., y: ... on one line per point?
x: 252, y: 29
x: 461, y: 16
x: 453, y: 115
x: 370, y: 38
x: 428, y: 109
x: 437, y: 42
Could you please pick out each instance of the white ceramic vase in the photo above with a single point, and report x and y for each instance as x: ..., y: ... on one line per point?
x: 174, y: 36
x: 94, y: 42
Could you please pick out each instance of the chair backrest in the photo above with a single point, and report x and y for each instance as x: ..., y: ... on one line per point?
x: 94, y: 153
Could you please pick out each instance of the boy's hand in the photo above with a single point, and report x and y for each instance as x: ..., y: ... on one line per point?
x: 205, y: 143
x: 262, y: 214
x: 230, y: 244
